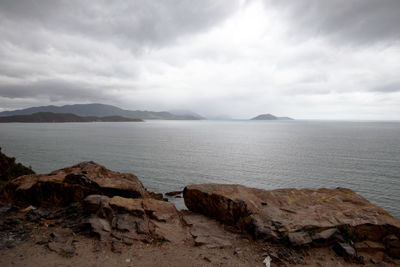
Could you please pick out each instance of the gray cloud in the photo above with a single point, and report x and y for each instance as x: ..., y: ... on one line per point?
x: 237, y: 57
x: 349, y: 21
x: 55, y: 90
x: 134, y: 24
x: 387, y: 88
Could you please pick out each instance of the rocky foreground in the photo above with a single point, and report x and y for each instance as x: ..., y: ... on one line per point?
x: 87, y: 215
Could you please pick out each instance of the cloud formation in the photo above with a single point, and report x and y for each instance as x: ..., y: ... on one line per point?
x: 358, y: 22
x: 307, y: 59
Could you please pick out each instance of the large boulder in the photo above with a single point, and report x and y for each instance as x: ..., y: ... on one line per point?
x: 273, y: 214
x: 72, y: 184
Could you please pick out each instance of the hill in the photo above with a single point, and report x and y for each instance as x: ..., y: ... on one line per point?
x: 270, y: 117
x: 183, y: 112
x: 100, y: 110
x: 63, y: 117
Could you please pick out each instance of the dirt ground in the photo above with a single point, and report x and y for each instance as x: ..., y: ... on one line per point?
x: 91, y: 252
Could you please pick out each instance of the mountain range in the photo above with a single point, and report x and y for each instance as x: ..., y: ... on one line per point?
x: 63, y: 117
x: 102, y: 110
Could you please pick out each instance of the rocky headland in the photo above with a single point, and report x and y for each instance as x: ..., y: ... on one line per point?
x: 87, y: 215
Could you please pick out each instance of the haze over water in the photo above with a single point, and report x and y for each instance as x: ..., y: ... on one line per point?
x: 167, y: 155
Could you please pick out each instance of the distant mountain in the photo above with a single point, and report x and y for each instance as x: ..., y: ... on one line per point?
x: 63, y: 117
x: 183, y: 112
x: 100, y: 110
x: 270, y: 117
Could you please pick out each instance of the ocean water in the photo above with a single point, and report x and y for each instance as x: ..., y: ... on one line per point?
x: 167, y: 155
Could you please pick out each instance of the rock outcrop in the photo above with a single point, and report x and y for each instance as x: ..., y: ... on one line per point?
x: 89, y: 200
x: 72, y: 184
x: 128, y: 220
x: 298, y: 216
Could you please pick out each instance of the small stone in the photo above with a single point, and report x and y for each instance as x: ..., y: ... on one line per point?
x: 116, y: 246
x: 96, y: 247
x: 345, y: 250
x: 62, y: 249
x: 206, y: 259
x: 237, y: 251
x: 9, y: 244
x: 173, y: 193
x: 29, y: 208
x: 212, y: 242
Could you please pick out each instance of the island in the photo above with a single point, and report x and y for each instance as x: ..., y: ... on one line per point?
x: 63, y: 117
x: 269, y: 117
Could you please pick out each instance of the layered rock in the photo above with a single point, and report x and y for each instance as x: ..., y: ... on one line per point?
x: 72, y: 184
x: 302, y: 216
x: 127, y: 220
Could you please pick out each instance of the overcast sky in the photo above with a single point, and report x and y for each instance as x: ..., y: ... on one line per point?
x: 309, y: 59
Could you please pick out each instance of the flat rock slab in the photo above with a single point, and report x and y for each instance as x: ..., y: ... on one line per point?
x: 264, y: 213
x: 206, y: 231
x: 72, y: 184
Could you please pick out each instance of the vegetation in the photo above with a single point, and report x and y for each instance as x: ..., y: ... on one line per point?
x: 350, y: 236
x: 9, y: 169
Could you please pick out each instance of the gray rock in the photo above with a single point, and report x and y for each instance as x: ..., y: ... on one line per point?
x: 325, y: 235
x: 345, y: 250
x: 62, y: 249
x: 124, y: 222
x: 98, y: 226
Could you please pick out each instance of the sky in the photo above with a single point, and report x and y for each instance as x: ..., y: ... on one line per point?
x: 309, y: 59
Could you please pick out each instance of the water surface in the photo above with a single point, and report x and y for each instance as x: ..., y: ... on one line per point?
x: 167, y: 155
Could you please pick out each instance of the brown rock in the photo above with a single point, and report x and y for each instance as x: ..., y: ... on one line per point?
x: 392, y: 241
x: 326, y: 234
x: 290, y: 210
x: 127, y: 205
x: 392, y: 244
x: 173, y: 193
x: 124, y: 222
x: 369, y: 246
x: 62, y: 249
x: 212, y: 242
x: 160, y: 210
x: 72, y: 184
x: 207, y: 232
x: 299, y: 238
x: 143, y: 219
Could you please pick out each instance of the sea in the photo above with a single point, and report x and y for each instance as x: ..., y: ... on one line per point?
x: 167, y: 155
